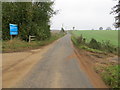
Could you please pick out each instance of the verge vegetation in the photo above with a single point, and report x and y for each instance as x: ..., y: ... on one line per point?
x: 96, y: 42
x: 109, y: 73
x: 33, y: 19
x: 20, y: 45
x: 99, y: 35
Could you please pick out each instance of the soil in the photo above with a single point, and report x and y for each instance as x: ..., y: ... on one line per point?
x: 89, y: 61
x: 16, y: 65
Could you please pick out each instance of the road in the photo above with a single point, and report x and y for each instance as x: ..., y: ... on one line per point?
x: 57, y: 69
x: 57, y: 65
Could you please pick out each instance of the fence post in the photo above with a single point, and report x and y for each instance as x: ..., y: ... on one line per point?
x: 30, y: 38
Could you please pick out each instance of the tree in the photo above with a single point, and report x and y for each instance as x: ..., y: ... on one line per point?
x: 108, y: 28
x: 101, y: 28
x: 32, y: 18
x: 62, y: 29
x: 73, y: 28
x: 116, y: 10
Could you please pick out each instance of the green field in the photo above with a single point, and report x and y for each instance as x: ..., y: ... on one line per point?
x: 108, y: 73
x: 99, y: 35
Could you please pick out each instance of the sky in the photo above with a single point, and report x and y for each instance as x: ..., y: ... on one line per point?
x: 83, y: 14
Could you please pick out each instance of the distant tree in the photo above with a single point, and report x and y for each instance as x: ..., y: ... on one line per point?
x: 101, y: 28
x: 73, y: 28
x: 62, y: 29
x: 108, y: 28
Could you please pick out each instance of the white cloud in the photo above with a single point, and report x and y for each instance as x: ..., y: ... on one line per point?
x: 83, y: 14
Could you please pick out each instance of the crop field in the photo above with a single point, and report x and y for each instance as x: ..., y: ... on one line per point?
x: 99, y: 35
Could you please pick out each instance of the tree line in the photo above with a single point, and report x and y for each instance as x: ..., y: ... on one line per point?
x: 32, y: 18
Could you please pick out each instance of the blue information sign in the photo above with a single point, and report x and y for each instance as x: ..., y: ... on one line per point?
x: 13, y: 33
x: 13, y: 29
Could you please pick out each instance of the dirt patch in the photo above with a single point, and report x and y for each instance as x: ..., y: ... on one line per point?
x: 89, y: 61
x: 17, y: 65
x: 71, y: 56
x: 87, y: 64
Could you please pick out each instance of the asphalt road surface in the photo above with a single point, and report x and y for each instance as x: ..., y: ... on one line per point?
x: 57, y: 69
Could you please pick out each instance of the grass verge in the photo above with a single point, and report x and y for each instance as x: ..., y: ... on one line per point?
x: 18, y: 45
x: 110, y: 74
x: 82, y: 46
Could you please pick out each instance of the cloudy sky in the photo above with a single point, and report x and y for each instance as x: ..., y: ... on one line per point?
x: 83, y: 14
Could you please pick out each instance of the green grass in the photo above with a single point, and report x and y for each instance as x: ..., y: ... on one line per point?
x: 19, y: 45
x: 111, y: 75
x: 99, y: 35
x: 74, y: 40
x: 90, y: 49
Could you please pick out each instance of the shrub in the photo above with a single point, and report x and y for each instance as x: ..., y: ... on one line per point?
x: 105, y: 46
x: 81, y: 40
x: 94, y: 44
x: 108, y: 47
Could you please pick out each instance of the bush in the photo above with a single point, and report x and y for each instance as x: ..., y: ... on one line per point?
x: 104, y: 46
x: 94, y: 44
x: 81, y: 40
x: 108, y: 47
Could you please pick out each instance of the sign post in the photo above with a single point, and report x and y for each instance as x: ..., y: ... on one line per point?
x: 13, y: 30
x: 11, y: 37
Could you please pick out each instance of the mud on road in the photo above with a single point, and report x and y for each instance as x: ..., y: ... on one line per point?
x: 58, y: 65
x: 16, y: 65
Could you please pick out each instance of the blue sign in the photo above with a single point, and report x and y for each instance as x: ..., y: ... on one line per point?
x: 13, y: 29
x: 13, y: 33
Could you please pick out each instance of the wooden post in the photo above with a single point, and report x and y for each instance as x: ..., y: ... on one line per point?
x: 29, y: 38
x: 11, y: 38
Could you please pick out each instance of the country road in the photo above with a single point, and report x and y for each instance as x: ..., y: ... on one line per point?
x: 56, y: 71
x: 59, y: 67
